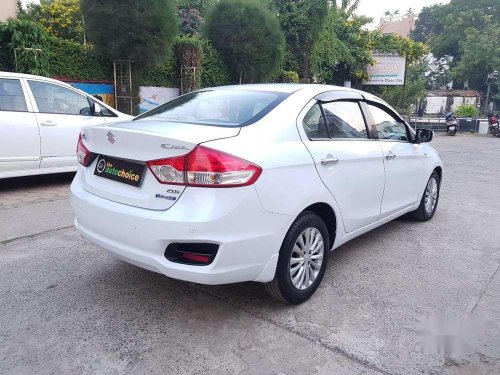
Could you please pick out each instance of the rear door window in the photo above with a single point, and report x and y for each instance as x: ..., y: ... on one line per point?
x: 232, y: 108
x: 52, y: 98
x: 345, y: 120
x: 12, y: 96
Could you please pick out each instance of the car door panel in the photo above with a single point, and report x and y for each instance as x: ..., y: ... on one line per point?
x: 404, y: 175
x: 351, y: 168
x: 404, y: 161
x: 19, y: 133
x: 61, y: 114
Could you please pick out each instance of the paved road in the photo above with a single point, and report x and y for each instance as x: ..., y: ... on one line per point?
x: 67, y: 307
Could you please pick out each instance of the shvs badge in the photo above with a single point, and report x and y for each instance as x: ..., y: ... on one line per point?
x: 120, y: 170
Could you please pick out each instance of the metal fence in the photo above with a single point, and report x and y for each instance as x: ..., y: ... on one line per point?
x: 439, y: 124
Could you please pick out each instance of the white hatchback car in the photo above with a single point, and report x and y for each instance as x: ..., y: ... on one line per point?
x: 40, y: 120
x: 251, y: 183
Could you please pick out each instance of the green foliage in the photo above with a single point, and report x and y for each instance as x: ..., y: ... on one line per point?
x: 71, y: 60
x: 414, y: 51
x: 468, y: 32
x: 189, y: 55
x: 287, y: 76
x: 167, y: 74
x: 301, y: 21
x: 480, y: 55
x: 467, y: 110
x: 343, y: 48
x: 214, y: 72
x: 62, y: 18
x: 248, y: 37
x: 138, y: 30
x: 25, y: 47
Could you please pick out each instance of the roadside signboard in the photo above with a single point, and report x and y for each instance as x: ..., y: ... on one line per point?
x: 389, y: 70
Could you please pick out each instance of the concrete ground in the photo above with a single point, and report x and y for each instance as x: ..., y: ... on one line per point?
x: 68, y: 307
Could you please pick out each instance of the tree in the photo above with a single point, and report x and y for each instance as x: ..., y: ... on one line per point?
x: 480, y: 55
x: 62, y: 18
x: 343, y: 48
x: 191, y: 14
x: 248, y: 37
x: 444, y: 26
x: 138, y: 30
x: 25, y: 47
x: 301, y: 21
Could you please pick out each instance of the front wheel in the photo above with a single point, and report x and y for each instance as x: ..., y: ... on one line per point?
x: 302, y: 260
x: 430, y: 198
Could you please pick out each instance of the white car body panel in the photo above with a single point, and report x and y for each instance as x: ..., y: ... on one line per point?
x: 33, y: 143
x: 249, y: 223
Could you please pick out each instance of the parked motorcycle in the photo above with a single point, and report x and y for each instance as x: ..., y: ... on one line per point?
x: 451, y: 124
x: 494, y: 125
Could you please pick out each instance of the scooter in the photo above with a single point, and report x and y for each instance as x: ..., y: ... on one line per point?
x: 451, y: 124
x: 494, y: 126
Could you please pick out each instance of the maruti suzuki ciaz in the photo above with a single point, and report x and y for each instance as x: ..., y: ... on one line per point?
x: 251, y: 183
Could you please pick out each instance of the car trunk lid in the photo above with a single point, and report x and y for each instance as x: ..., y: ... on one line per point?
x: 123, y: 150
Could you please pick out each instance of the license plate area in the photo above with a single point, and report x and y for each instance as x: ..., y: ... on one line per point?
x: 120, y: 170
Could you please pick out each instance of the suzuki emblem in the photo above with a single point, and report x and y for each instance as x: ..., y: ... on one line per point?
x: 111, y: 137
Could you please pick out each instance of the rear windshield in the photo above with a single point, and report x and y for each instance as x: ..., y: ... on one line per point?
x: 232, y: 108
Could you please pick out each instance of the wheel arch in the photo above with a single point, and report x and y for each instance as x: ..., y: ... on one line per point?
x: 327, y: 214
x: 439, y: 171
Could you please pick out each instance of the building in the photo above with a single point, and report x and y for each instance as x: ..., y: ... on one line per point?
x: 402, y: 27
x: 8, y: 9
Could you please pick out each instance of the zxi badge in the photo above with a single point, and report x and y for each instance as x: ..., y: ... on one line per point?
x: 111, y: 137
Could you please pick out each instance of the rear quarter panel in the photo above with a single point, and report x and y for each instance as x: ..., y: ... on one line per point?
x: 289, y: 182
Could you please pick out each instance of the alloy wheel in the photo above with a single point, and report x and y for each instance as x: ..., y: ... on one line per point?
x: 431, y: 195
x: 306, y: 258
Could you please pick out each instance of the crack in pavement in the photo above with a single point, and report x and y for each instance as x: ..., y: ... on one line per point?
x: 4, y: 242
x: 332, y: 349
x: 481, y: 295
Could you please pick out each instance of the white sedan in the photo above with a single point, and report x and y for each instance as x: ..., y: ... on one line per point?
x: 251, y: 183
x: 40, y: 120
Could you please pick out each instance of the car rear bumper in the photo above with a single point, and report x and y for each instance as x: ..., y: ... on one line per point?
x: 249, y: 237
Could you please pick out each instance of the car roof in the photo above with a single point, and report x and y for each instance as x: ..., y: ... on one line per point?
x: 286, y: 87
x: 33, y: 77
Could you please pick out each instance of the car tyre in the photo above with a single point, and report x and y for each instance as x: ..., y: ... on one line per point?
x: 308, y: 236
x: 430, y: 199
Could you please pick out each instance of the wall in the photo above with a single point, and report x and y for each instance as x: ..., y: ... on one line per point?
x: 8, y: 9
x: 105, y: 91
x: 441, y: 102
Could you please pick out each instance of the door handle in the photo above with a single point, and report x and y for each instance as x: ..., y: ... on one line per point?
x: 390, y: 156
x: 329, y: 161
x: 49, y: 123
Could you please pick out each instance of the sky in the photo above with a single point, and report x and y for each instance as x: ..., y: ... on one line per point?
x: 375, y: 8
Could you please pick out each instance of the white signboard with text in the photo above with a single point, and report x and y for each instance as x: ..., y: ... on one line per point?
x: 388, y: 70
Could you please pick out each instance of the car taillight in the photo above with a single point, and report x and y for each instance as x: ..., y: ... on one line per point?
x: 85, y: 157
x: 205, y: 167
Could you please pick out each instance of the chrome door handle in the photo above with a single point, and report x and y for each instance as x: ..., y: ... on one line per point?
x: 390, y: 156
x: 329, y: 161
x: 49, y: 123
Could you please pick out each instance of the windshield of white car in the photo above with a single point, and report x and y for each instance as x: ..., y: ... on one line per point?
x: 228, y: 108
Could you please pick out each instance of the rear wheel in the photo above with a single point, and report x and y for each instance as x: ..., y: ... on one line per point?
x: 302, y: 260
x: 429, y: 201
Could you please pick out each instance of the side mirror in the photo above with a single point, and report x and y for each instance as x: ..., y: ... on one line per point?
x: 424, y: 135
x: 96, y: 109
